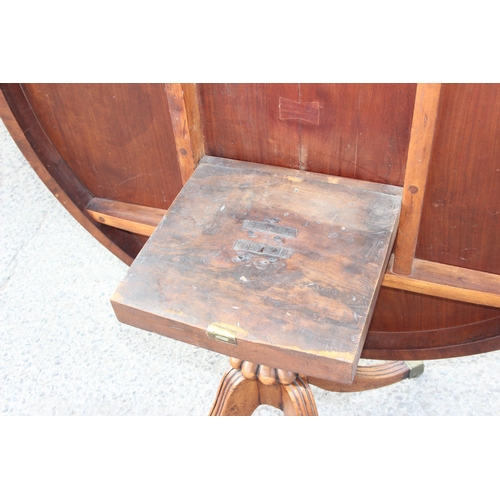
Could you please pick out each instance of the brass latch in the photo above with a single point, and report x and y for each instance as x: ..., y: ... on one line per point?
x: 222, y: 333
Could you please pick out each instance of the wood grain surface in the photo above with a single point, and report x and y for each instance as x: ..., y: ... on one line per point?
x: 450, y: 282
x: 291, y: 263
x: 117, y: 138
x: 192, y: 108
x: 461, y: 215
x: 436, y: 343
x: 363, y: 130
x: 241, y: 121
x: 240, y: 396
x: 368, y: 377
x: 428, y: 278
x: 357, y: 131
x: 56, y: 174
x: 185, y: 147
x: 134, y: 218
x: 419, y: 153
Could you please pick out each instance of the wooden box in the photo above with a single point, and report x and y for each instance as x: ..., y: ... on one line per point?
x: 266, y: 264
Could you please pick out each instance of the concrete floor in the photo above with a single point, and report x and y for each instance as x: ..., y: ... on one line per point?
x: 62, y: 351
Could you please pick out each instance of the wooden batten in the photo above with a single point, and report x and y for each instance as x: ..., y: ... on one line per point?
x: 133, y: 218
x: 449, y: 282
x: 186, y: 125
x: 192, y: 107
x: 417, y: 167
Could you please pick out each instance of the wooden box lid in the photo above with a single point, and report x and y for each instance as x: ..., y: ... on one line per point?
x: 280, y: 267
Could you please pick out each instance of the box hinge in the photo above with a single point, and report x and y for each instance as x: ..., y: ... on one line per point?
x: 221, y: 333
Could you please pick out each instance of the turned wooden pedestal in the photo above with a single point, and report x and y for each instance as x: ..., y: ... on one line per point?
x: 276, y: 267
x: 246, y: 386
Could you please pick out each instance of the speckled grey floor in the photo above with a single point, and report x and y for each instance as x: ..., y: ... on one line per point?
x: 62, y: 351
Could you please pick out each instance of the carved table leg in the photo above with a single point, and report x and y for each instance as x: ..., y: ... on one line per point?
x: 249, y: 385
x: 297, y: 399
x: 374, y: 377
x: 237, y: 395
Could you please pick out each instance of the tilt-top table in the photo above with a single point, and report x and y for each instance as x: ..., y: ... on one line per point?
x: 118, y: 156
x: 280, y: 269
